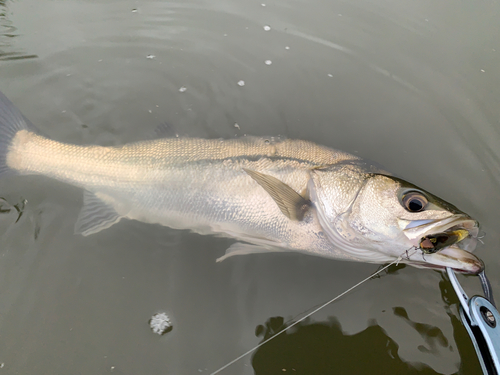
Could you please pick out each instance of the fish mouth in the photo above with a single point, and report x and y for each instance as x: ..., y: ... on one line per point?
x: 456, y: 229
x: 445, y: 243
x: 452, y: 256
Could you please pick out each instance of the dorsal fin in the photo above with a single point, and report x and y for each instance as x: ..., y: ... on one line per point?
x: 291, y: 203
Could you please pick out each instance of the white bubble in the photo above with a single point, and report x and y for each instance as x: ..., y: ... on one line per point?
x: 482, y: 70
x: 183, y: 89
x: 150, y: 57
x: 241, y: 83
x: 134, y: 10
x: 267, y: 27
x: 263, y: 4
x: 330, y: 75
x: 268, y: 62
x: 287, y: 47
x: 160, y: 323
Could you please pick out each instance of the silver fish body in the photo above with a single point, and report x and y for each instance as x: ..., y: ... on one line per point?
x: 243, y: 188
x: 188, y: 183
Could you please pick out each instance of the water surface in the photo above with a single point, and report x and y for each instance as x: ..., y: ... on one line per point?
x: 414, y: 86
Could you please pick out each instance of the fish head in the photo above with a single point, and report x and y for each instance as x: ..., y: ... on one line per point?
x: 375, y: 217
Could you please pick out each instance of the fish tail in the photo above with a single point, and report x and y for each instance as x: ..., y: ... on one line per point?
x: 11, y: 122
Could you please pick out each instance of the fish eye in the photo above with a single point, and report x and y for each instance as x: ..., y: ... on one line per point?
x: 414, y: 201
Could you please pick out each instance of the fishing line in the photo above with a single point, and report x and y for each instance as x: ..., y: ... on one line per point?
x: 309, y: 314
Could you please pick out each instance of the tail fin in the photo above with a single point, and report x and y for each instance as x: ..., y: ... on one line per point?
x: 11, y: 121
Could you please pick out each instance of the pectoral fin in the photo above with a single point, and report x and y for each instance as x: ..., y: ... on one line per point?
x: 95, y: 215
x: 291, y: 203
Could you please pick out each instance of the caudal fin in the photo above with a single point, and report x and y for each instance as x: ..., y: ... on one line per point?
x: 11, y: 121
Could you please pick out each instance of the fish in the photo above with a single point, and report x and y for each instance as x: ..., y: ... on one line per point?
x: 271, y: 194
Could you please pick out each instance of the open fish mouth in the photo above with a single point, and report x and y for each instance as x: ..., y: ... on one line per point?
x: 445, y: 243
x: 452, y: 256
x: 434, y: 235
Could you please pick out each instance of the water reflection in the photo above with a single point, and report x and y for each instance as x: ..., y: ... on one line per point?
x: 324, y: 348
x: 432, y: 335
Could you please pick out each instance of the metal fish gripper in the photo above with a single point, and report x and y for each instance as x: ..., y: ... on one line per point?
x: 482, y: 321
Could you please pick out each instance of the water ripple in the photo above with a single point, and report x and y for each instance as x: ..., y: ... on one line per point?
x: 7, y: 33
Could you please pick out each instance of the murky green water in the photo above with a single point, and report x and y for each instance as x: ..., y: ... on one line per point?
x: 414, y: 86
